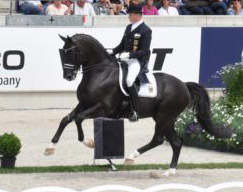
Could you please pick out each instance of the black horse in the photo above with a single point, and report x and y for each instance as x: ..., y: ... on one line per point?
x: 99, y: 95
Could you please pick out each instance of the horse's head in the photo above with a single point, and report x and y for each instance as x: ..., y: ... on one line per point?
x: 81, y: 49
x: 71, y: 58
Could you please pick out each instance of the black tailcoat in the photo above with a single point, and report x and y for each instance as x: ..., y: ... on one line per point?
x: 137, y: 43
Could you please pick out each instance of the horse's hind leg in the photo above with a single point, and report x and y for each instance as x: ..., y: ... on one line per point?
x: 157, y: 140
x: 176, y: 144
x: 64, y: 122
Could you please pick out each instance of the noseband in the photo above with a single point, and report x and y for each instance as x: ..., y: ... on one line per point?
x: 77, y: 61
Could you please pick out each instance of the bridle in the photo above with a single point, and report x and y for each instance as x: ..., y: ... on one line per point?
x: 70, y: 66
x: 63, y: 53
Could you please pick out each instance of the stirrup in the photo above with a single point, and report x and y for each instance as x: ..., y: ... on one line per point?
x: 133, y: 117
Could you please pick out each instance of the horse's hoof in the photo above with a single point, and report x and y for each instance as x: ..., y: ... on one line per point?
x: 169, y: 172
x: 49, y: 151
x: 129, y: 161
x: 89, y: 143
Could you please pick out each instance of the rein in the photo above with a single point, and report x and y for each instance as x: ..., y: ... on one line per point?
x: 90, y: 68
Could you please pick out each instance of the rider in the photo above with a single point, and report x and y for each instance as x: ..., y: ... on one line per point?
x: 135, y: 50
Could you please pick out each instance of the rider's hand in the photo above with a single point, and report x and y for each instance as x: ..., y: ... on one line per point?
x: 109, y: 51
x: 124, y: 56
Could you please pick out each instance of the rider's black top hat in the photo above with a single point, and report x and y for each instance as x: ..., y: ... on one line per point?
x: 135, y: 9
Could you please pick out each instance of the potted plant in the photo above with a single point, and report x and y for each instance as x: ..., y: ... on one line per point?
x: 9, y: 148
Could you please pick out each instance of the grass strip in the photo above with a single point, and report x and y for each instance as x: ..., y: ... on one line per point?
x: 106, y: 168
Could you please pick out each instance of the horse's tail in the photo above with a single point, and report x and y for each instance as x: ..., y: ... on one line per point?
x: 200, y: 103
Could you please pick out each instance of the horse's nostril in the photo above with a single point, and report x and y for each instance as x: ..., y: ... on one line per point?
x: 69, y: 77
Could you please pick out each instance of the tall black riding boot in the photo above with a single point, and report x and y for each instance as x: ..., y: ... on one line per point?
x: 134, y: 103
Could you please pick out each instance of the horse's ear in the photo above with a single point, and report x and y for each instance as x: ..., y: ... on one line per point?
x: 69, y: 39
x: 63, y: 38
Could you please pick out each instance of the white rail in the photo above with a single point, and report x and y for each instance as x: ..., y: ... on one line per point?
x: 157, y: 188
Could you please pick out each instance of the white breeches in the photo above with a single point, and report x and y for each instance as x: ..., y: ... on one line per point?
x: 133, y: 71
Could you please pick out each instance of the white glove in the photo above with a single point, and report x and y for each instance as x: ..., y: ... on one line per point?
x: 124, y: 56
x: 109, y: 51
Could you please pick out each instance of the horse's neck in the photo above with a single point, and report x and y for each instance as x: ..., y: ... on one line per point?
x: 96, y: 64
x: 100, y: 70
x: 93, y: 52
x: 96, y: 57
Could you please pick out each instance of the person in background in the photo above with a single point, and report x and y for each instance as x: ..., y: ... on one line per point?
x: 123, y: 10
x: 117, y: 6
x: 45, y: 4
x: 218, y: 7
x: 175, y: 3
x: 68, y: 3
x: 134, y: 2
x: 31, y: 7
x: 182, y: 9
x: 127, y: 3
x: 82, y: 7
x: 199, y: 7
x: 149, y: 9
x: 57, y: 8
x: 236, y: 8
x: 157, y: 4
x: 103, y: 7
x: 167, y: 9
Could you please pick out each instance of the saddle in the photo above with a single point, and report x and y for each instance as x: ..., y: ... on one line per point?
x: 145, y: 83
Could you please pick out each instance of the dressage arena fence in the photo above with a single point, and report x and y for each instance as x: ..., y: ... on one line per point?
x: 157, y: 188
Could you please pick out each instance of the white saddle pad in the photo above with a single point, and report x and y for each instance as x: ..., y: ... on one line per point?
x: 146, y: 90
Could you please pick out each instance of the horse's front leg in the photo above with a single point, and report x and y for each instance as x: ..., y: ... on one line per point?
x: 79, y: 119
x: 88, y: 142
x: 64, y: 122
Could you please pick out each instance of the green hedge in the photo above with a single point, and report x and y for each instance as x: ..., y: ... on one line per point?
x: 232, y: 78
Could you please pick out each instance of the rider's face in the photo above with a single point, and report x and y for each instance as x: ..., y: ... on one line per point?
x: 134, y: 17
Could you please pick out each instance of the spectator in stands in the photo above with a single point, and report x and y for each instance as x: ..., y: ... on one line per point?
x: 103, y: 7
x: 117, y: 6
x: 199, y: 7
x: 149, y: 9
x: 45, y: 4
x: 236, y: 8
x: 124, y: 10
x: 57, y: 8
x: 134, y: 2
x: 218, y: 7
x: 182, y: 9
x: 127, y: 4
x: 157, y: 4
x: 67, y: 3
x: 82, y: 7
x: 167, y: 9
x: 31, y: 7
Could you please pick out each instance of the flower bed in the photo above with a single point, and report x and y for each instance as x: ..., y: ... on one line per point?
x: 226, y: 112
x: 193, y: 134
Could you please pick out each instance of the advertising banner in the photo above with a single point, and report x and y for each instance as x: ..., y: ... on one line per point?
x: 220, y: 46
x: 30, y: 61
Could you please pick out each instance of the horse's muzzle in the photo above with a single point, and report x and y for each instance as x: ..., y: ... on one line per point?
x: 70, y: 76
